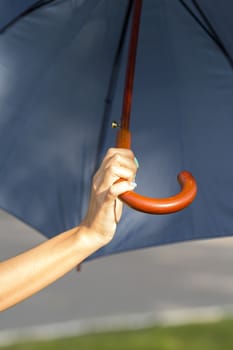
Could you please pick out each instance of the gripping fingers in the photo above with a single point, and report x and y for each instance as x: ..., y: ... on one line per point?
x: 120, y: 157
x: 120, y: 172
x: 121, y: 151
x: 118, y: 164
x: 104, y: 180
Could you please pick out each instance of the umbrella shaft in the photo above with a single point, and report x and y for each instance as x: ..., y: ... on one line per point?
x: 129, y: 79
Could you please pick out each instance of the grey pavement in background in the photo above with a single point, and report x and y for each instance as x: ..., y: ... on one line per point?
x: 188, y: 275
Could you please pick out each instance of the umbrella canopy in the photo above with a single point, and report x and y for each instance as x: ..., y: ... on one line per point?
x: 62, y: 70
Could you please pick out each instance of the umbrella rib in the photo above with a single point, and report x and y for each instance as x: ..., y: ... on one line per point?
x: 218, y: 40
x: 210, y: 32
x: 28, y: 10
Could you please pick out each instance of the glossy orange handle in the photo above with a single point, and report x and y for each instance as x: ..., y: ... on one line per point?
x: 158, y: 205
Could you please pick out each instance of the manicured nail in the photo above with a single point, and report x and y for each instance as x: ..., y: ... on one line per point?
x: 133, y: 184
x: 136, y: 162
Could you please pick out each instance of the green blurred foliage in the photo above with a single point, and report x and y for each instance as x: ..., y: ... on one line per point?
x: 205, y: 336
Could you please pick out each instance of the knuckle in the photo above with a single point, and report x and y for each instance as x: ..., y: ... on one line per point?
x: 116, y: 158
x: 110, y: 174
x: 114, y: 162
x: 94, y: 187
x: 112, y: 192
x: 95, y: 184
x: 130, y: 153
x: 111, y: 151
x: 95, y: 178
x: 110, y: 169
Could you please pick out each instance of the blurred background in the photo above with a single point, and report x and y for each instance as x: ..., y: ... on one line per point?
x: 163, y: 286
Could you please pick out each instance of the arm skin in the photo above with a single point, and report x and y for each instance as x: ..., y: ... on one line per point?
x: 27, y: 273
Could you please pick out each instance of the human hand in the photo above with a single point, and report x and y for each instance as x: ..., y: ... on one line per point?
x: 105, y: 209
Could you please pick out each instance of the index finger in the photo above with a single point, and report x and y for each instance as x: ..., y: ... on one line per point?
x: 120, y: 151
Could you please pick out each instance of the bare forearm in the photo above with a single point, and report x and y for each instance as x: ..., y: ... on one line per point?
x: 33, y: 270
x: 29, y: 272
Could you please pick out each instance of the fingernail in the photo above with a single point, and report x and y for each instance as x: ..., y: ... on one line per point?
x: 136, y: 162
x: 133, y: 184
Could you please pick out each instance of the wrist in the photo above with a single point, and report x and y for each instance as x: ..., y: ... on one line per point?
x: 89, y: 239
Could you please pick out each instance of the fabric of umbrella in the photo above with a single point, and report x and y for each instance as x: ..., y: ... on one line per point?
x: 62, y: 72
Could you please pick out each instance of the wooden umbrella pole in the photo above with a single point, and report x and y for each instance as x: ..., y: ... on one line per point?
x: 186, y: 180
x: 124, y: 136
x: 129, y: 79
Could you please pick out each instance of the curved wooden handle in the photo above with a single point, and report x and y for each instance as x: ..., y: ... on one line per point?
x: 158, y: 205
x: 164, y: 205
x: 186, y: 180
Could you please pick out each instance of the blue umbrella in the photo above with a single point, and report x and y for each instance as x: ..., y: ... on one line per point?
x: 62, y: 72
